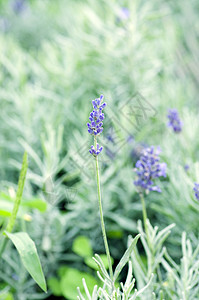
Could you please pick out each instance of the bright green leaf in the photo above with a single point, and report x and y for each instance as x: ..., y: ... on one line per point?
x: 54, y: 285
x: 72, y: 279
x: 82, y: 246
x: 29, y: 256
x: 35, y: 203
x: 115, y: 234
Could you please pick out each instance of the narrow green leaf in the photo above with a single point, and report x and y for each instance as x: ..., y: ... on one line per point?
x: 125, y: 257
x: 35, y: 203
x: 20, y: 188
x: 29, y: 256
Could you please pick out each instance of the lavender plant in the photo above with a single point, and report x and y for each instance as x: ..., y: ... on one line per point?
x: 110, y: 289
x: 21, y: 240
x: 95, y: 128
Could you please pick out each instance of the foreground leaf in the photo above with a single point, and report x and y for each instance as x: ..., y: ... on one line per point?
x: 29, y: 256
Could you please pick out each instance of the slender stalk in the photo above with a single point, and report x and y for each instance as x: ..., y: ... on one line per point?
x: 17, y: 202
x: 101, y: 215
x: 20, y: 188
x: 144, y: 213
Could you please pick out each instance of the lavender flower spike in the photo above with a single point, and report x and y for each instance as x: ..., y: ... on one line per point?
x: 196, y: 190
x: 97, y: 151
x: 174, y: 120
x: 96, y: 122
x: 148, y: 168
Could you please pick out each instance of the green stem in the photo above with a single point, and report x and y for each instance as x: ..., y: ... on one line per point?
x: 17, y: 202
x: 144, y: 213
x: 19, y: 193
x: 101, y: 215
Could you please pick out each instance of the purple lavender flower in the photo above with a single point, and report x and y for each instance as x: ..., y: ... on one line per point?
x: 96, y: 122
x: 96, y: 117
x: 196, y: 190
x: 97, y: 151
x: 174, y: 120
x: 148, y: 168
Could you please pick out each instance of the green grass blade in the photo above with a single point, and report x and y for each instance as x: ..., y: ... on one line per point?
x: 20, y: 188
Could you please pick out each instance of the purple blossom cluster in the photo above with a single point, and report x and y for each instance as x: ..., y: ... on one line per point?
x: 97, y: 151
x: 148, y: 168
x: 96, y: 122
x: 96, y: 116
x: 174, y: 120
x: 196, y: 190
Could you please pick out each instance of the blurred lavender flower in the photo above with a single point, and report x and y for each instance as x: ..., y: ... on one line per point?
x: 96, y: 122
x: 174, y: 120
x: 186, y: 167
x: 196, y: 190
x: 130, y: 139
x: 18, y: 6
x: 123, y: 14
x: 97, y: 151
x: 148, y: 168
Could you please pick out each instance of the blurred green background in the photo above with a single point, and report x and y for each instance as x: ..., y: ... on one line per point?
x: 55, y: 57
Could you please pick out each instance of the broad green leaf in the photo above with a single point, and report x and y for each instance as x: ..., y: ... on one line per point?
x: 54, y: 285
x: 7, y: 296
x: 5, y: 293
x: 82, y: 246
x: 29, y: 256
x: 7, y: 208
x: 72, y: 279
x: 92, y: 264
x: 25, y: 206
x: 62, y: 270
x: 125, y: 257
x: 32, y: 203
x: 115, y: 234
x: 35, y: 203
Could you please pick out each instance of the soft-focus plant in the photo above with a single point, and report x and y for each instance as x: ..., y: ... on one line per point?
x: 21, y: 240
x: 44, y: 88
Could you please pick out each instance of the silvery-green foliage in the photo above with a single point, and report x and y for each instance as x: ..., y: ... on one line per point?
x: 160, y: 278
x: 183, y: 279
x: 154, y: 251
x: 126, y: 291
x: 110, y: 289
